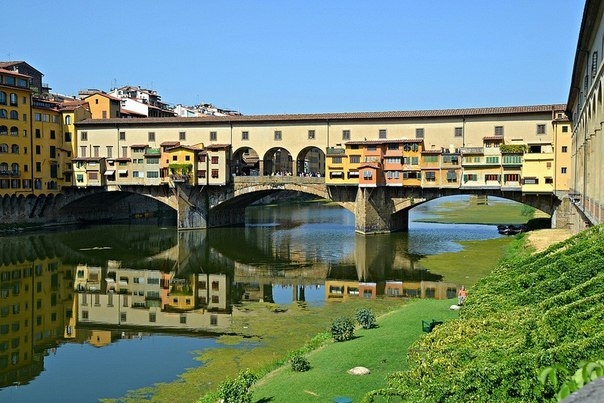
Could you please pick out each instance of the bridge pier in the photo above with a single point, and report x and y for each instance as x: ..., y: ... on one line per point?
x: 192, y: 207
x: 374, y: 212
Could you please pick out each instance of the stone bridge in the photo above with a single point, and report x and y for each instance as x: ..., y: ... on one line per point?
x: 376, y: 209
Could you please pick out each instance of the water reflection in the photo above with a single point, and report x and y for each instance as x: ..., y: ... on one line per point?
x: 100, y: 285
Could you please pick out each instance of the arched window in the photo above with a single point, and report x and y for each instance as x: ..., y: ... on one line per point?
x: 15, y: 149
x: 3, y: 114
x: 15, y: 168
x: 14, y: 131
x: 3, y: 167
x: 4, y: 149
x: 3, y: 131
x: 68, y: 119
x: 14, y: 115
x: 13, y: 99
x: 2, y: 97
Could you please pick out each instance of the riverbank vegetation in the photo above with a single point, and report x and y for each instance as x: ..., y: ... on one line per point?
x: 468, y: 211
x: 382, y: 349
x: 533, y: 312
x: 474, y: 262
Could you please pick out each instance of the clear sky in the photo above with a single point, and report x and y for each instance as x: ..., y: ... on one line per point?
x: 290, y: 56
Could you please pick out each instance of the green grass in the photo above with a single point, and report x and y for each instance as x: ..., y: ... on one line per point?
x: 383, y: 350
x: 496, y: 212
x: 475, y: 261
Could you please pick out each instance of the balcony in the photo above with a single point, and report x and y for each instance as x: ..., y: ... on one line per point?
x: 472, y: 150
x: 10, y: 173
x: 335, y: 151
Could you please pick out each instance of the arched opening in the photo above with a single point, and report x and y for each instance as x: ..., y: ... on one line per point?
x: 277, y: 162
x: 311, y: 162
x: 245, y: 162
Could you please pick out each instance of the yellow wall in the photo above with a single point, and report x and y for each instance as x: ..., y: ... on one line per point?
x: 103, y: 106
x: 15, y: 136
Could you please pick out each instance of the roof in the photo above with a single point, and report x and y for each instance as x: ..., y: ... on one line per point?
x: 16, y: 63
x: 70, y: 105
x: 374, y: 165
x: 344, y: 116
x: 103, y: 94
x: 493, y: 138
x: 170, y: 144
x: 12, y: 72
x: 184, y: 147
x: 588, y: 28
x: 217, y: 146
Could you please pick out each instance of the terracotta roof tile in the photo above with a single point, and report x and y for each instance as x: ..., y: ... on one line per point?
x: 436, y: 113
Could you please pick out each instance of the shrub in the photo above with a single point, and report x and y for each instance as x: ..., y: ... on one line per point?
x: 366, y: 318
x: 238, y: 390
x: 300, y: 363
x: 342, y: 329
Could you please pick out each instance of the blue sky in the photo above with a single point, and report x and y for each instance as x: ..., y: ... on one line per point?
x: 278, y: 56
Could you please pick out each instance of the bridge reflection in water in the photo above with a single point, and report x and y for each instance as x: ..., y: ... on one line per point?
x: 99, y: 285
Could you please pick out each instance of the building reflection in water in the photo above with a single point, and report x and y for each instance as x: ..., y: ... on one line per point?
x: 54, y: 289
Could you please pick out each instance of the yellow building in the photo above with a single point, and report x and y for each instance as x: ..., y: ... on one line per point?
x: 180, y: 163
x: 48, y: 145
x: 71, y: 111
x: 103, y: 106
x: 15, y: 134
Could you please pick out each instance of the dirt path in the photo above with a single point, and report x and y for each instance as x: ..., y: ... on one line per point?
x: 543, y: 238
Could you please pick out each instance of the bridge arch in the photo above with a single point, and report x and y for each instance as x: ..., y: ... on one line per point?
x: 544, y: 203
x: 245, y: 162
x: 116, y: 202
x: 310, y: 162
x: 278, y: 161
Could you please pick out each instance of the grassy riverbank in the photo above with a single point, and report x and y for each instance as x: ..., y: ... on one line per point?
x: 467, y: 211
x: 383, y: 350
x: 475, y: 261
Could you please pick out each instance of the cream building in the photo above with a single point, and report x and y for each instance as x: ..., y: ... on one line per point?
x: 464, y: 143
x: 586, y: 111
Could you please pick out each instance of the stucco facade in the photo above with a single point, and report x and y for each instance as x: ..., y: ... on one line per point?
x: 464, y: 145
x: 586, y: 110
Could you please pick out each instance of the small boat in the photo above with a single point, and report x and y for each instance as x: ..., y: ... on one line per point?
x: 511, y: 229
x: 503, y: 229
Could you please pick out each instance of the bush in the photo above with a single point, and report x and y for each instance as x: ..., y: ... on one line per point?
x: 342, y: 329
x: 238, y: 390
x: 366, y: 318
x: 300, y: 363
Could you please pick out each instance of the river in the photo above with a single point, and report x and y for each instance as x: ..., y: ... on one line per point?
x: 88, y: 312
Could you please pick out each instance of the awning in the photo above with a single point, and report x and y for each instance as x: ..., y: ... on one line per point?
x: 122, y: 171
x: 109, y: 173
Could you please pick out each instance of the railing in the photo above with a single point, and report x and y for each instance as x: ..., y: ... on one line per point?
x: 472, y: 150
x: 10, y: 173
